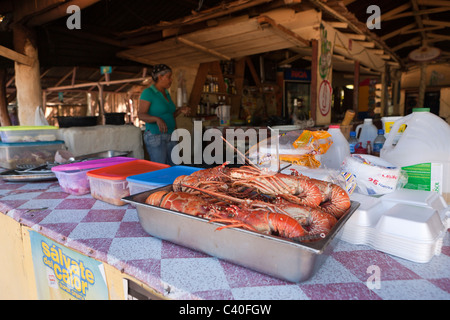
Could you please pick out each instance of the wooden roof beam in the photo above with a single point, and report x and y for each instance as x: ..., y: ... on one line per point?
x: 420, y: 12
x: 436, y: 23
x: 434, y: 3
x: 283, y: 31
x: 15, y: 56
x: 356, y: 29
x: 398, y: 31
x: 419, y: 22
x: 196, y: 46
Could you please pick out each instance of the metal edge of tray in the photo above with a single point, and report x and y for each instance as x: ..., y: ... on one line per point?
x: 14, y: 176
x: 279, y: 257
x: 103, y: 154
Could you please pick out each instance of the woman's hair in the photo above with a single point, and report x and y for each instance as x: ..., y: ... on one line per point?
x: 160, y: 70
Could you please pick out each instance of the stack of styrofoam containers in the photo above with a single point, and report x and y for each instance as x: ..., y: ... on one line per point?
x: 156, y: 179
x: 72, y: 177
x: 410, y: 224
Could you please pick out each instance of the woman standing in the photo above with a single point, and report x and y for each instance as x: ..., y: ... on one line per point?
x: 158, y: 111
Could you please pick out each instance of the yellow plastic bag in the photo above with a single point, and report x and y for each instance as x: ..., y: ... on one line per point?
x: 309, y: 144
x: 317, y: 142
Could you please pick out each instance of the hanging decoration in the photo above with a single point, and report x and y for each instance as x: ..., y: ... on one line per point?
x: 424, y: 54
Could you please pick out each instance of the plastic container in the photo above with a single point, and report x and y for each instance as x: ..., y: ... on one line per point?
x: 109, y: 184
x: 73, y: 178
x: 15, y: 134
x: 352, y: 142
x: 156, y: 179
x: 366, y: 132
x: 378, y: 143
x: 388, y: 122
x: 410, y: 224
x: 338, y: 151
x: 28, y: 153
x: 423, y: 151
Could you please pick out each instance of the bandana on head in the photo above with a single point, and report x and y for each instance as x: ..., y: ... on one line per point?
x: 160, y: 69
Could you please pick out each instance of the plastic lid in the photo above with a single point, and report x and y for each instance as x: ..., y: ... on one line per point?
x: 352, y: 133
x: 162, y: 177
x: 334, y: 126
x: 30, y: 144
x: 380, y: 131
x: 91, y: 164
x: 23, y: 128
x: 123, y: 170
x: 421, y: 110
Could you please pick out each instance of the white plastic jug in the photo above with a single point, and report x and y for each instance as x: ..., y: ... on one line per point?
x: 366, y: 132
x: 424, y: 149
x: 339, y: 150
x: 223, y: 113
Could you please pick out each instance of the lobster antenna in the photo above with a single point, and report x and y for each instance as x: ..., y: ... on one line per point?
x: 247, y: 160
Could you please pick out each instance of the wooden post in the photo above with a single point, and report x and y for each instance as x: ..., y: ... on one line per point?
x: 4, y: 116
x: 356, y: 87
x: 314, y: 72
x: 28, y: 82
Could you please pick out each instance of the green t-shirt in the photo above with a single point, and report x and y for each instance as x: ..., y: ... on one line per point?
x: 159, y: 107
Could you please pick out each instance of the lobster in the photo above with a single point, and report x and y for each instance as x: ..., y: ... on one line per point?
x: 299, y: 190
x: 256, y: 220
x: 313, y: 220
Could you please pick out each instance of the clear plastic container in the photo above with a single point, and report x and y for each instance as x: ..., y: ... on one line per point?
x: 13, y: 134
x: 338, y: 151
x: 73, y: 178
x: 156, y: 179
x: 109, y: 184
x: 423, y: 151
x: 13, y: 155
x: 366, y: 132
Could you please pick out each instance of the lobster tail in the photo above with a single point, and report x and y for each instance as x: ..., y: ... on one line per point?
x: 156, y: 198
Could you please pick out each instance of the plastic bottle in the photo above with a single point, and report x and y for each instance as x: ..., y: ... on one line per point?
x: 352, y: 141
x: 338, y: 151
x: 423, y: 151
x: 378, y: 143
x: 369, y: 147
x: 366, y: 132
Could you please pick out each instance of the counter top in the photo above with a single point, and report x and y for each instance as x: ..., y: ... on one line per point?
x: 114, y: 235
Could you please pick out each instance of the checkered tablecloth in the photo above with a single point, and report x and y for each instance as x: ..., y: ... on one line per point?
x: 114, y: 235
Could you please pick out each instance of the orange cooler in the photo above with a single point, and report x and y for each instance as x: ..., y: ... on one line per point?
x: 110, y: 184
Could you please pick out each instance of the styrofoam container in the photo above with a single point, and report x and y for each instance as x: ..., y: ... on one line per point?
x: 73, y: 178
x: 13, y: 155
x: 109, y: 184
x: 13, y: 134
x: 410, y: 224
x: 156, y: 179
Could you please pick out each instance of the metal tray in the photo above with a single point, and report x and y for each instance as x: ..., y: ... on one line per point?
x: 275, y: 256
x: 17, y: 176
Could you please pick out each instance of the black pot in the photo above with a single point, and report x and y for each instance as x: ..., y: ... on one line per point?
x: 67, y: 122
x: 117, y: 118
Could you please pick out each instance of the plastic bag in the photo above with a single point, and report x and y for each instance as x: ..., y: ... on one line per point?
x: 295, y: 147
x: 374, y: 176
x: 39, y: 117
